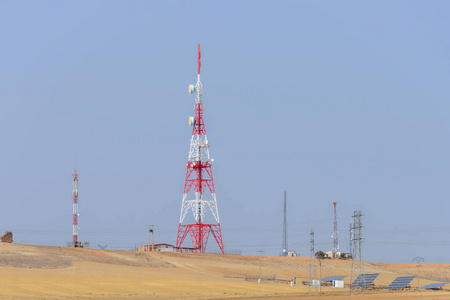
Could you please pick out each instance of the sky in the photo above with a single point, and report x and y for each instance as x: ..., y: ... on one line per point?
x: 329, y: 101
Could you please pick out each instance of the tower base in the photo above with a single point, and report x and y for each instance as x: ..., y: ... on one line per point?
x: 199, y: 235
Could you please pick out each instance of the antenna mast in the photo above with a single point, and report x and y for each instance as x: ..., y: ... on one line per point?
x: 312, y: 264
x: 199, y: 176
x: 335, y: 249
x: 75, y: 209
x: 284, y: 246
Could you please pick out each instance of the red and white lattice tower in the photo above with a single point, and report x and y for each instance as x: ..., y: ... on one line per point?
x: 199, y: 184
x: 335, y: 232
x: 75, y: 209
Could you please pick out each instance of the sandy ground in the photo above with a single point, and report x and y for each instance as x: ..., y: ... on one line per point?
x: 39, y: 272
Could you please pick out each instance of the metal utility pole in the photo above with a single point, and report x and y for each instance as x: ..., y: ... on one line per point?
x: 260, y: 253
x: 312, y: 264
x: 418, y: 259
x: 199, y: 181
x: 153, y: 237
x: 320, y: 274
x: 335, y: 249
x: 284, y: 246
x: 357, y: 261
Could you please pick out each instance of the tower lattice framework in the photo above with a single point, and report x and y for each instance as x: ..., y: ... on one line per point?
x: 75, y: 209
x: 357, y: 261
x: 312, y: 264
x: 350, y: 243
x: 199, y: 193
x: 335, y: 249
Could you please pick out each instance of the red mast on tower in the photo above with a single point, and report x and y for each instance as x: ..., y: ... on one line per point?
x: 199, y: 176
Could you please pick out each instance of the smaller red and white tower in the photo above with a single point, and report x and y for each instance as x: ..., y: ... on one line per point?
x: 335, y: 232
x: 75, y: 209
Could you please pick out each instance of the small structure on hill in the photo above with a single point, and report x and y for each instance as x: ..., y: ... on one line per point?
x: 7, y: 237
x: 331, y: 254
x: 291, y: 253
x: 164, y: 248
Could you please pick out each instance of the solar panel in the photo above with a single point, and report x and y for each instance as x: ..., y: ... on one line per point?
x: 400, y: 283
x: 433, y: 285
x: 364, y: 280
x: 331, y: 278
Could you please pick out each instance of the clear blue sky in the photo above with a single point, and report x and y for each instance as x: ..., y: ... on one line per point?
x: 343, y: 102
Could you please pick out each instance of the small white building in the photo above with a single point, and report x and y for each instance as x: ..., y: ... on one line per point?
x: 157, y: 248
x: 332, y: 254
x: 338, y: 284
x: 291, y: 253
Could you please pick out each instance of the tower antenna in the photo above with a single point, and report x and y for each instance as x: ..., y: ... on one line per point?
x: 312, y: 286
x: 284, y: 246
x: 335, y: 249
x: 75, y: 209
x: 199, y: 176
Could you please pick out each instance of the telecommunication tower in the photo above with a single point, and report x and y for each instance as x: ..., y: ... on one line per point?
x: 335, y: 233
x: 357, y: 261
x: 75, y: 209
x: 199, y: 176
x: 312, y: 264
x: 284, y: 246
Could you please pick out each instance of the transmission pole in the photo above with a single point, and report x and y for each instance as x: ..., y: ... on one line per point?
x: 418, y: 259
x: 357, y: 261
x: 284, y: 246
x: 260, y: 253
x: 312, y: 264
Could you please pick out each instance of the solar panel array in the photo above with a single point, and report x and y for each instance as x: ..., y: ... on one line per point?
x: 331, y: 278
x: 364, y: 280
x: 400, y: 283
x: 433, y: 285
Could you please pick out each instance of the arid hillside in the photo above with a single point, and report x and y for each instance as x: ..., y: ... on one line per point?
x: 40, y: 272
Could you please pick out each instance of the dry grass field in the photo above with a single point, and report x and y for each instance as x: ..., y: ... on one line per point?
x: 40, y: 272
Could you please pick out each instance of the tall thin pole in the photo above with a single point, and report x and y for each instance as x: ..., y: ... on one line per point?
x: 260, y: 253
x: 148, y: 242
x: 284, y: 247
x: 335, y: 233
x: 75, y: 209
x: 320, y: 273
x: 418, y: 259
x: 150, y: 230
x: 153, y: 237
